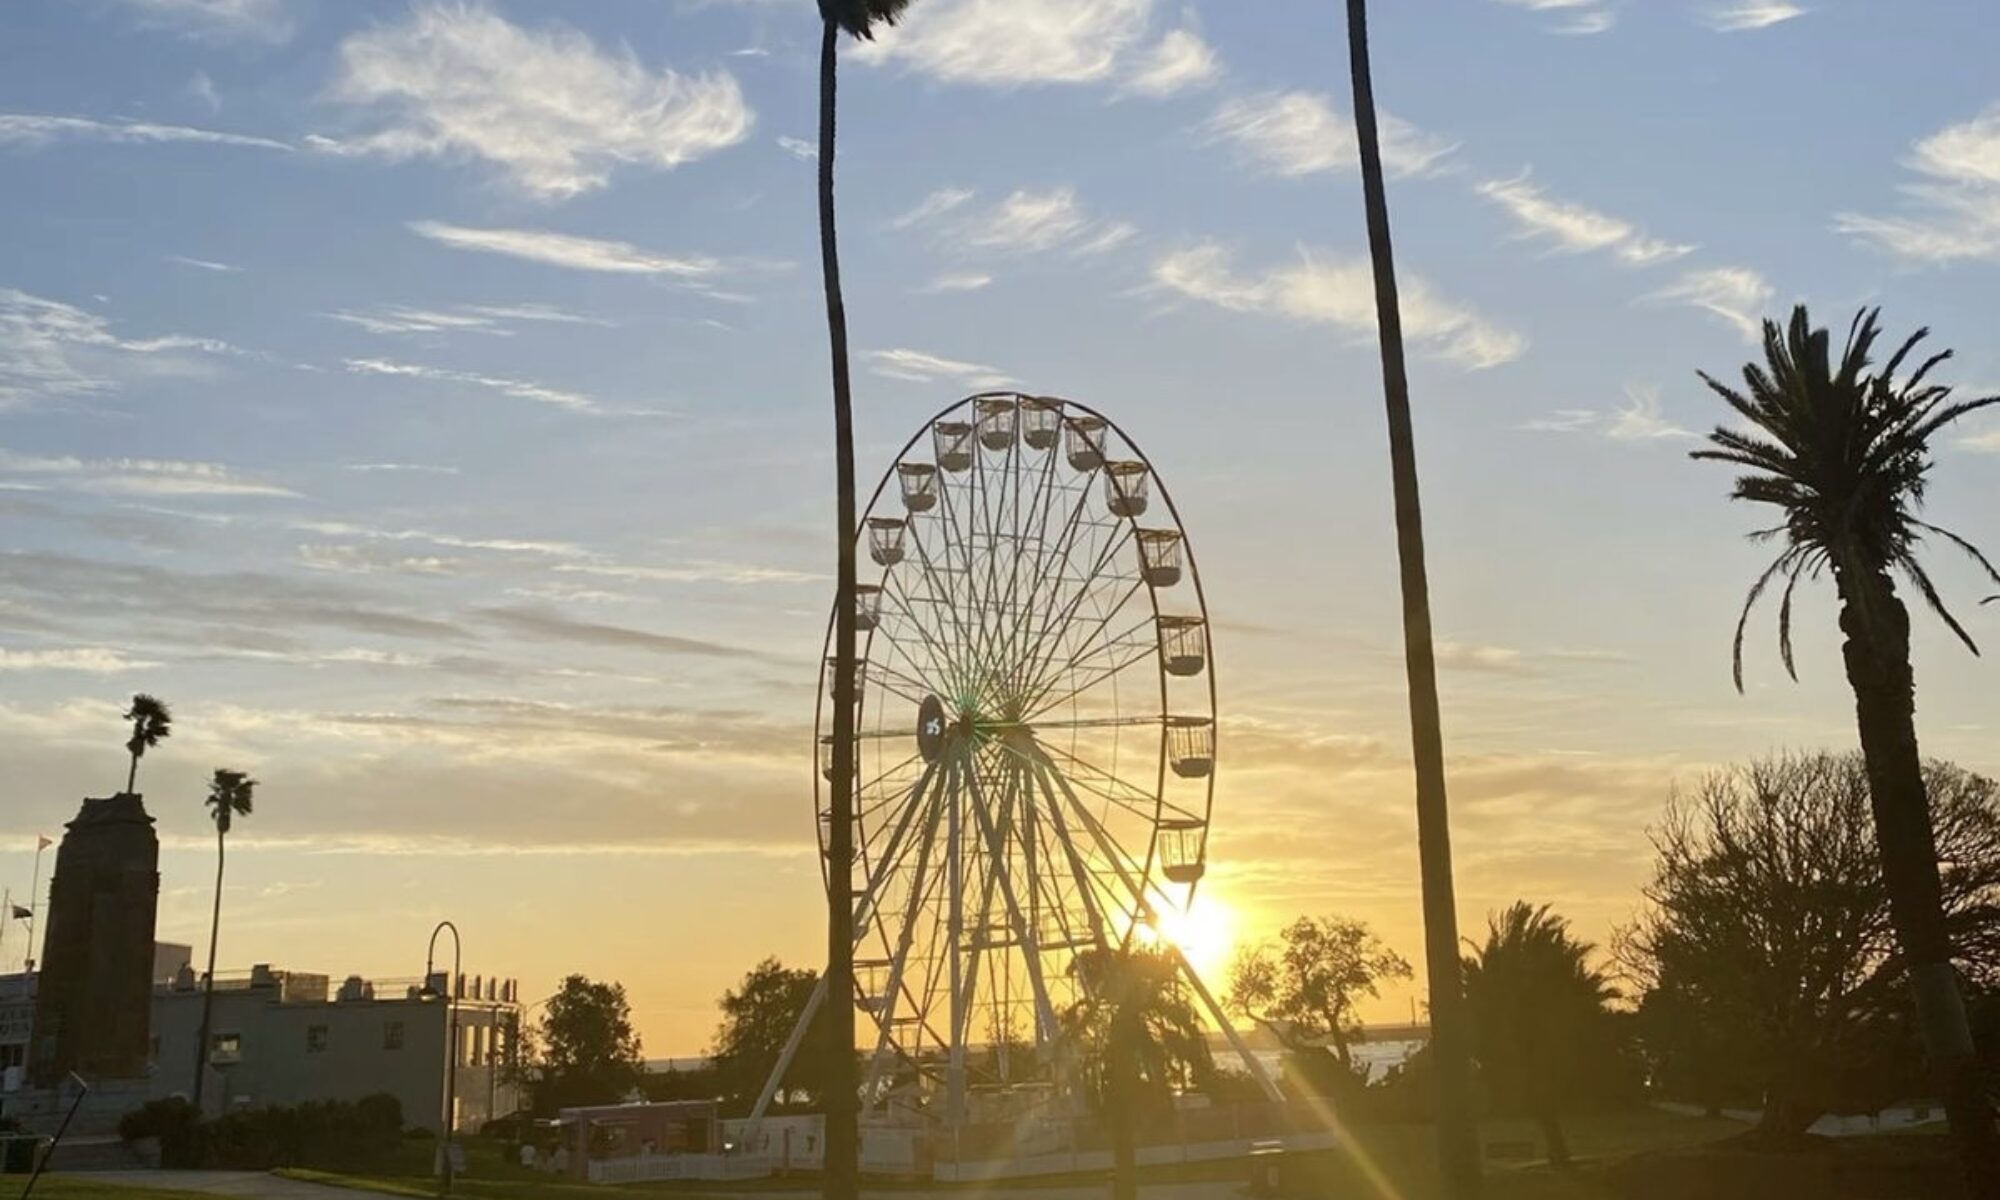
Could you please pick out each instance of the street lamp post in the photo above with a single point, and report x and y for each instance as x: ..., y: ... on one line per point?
x: 451, y: 1037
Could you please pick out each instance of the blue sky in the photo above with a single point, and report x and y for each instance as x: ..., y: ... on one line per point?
x: 429, y: 399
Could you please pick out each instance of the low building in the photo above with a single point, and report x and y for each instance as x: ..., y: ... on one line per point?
x: 286, y: 1037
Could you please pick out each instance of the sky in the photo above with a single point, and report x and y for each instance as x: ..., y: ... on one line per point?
x: 430, y: 401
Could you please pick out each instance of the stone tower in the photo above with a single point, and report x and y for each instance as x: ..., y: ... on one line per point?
x: 93, y: 1009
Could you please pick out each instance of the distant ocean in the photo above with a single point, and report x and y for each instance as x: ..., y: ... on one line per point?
x: 1378, y: 1057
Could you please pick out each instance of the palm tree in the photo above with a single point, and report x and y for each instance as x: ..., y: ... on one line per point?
x: 151, y: 723
x: 1141, y: 1041
x: 229, y: 797
x: 856, y: 18
x: 1536, y: 1010
x: 1843, y: 453
x: 1458, y: 1145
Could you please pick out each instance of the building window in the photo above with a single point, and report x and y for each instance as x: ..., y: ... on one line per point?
x: 225, y: 1046
x: 392, y: 1035
x: 315, y: 1039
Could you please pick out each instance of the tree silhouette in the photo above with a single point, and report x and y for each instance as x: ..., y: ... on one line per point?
x: 230, y: 795
x: 1305, y: 988
x: 1536, y: 1009
x: 1843, y: 452
x: 856, y: 18
x: 1458, y: 1137
x: 1767, y: 957
x: 151, y: 724
x: 590, y: 1052
x: 1141, y: 1040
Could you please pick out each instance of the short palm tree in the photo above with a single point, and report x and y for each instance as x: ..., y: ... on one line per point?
x: 1842, y: 451
x: 1536, y: 1010
x: 151, y: 724
x: 1140, y: 1040
x: 859, y: 19
x: 229, y: 797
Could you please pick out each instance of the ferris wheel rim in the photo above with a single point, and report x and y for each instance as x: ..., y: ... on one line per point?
x: 877, y: 920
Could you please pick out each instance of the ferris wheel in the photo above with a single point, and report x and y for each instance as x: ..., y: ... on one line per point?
x: 1035, y: 738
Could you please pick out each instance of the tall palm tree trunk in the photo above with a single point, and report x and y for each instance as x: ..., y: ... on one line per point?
x: 842, y: 1170
x: 1458, y: 1147
x: 1123, y: 1094
x: 208, y: 981
x: 1877, y: 652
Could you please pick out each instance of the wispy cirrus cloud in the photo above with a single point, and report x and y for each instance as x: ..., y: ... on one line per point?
x: 136, y: 476
x: 35, y: 130
x: 205, y: 264
x: 1741, y: 15
x: 1014, y: 43
x: 1326, y: 290
x: 959, y: 281
x: 496, y: 320
x: 1955, y: 214
x: 1295, y: 134
x: 1738, y: 295
x: 568, y: 251
x: 1639, y: 419
x: 519, y: 389
x: 90, y: 660
x: 1179, y: 61
x: 220, y: 20
x: 1575, y: 227
x: 1577, y: 17
x: 917, y: 366
x: 554, y: 114
x: 1025, y: 221
x: 52, y: 350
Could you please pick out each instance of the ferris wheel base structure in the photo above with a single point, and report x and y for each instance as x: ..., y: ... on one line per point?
x: 1034, y: 756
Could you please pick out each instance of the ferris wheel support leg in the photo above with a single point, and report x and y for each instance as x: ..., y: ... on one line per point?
x: 1265, y: 1083
x: 785, y: 1056
x: 1044, y: 1011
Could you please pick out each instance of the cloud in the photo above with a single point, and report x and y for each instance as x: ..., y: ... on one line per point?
x: 204, y: 264
x: 138, y: 476
x: 1571, y: 16
x: 1749, y: 14
x: 1640, y: 419
x: 548, y: 625
x: 699, y: 571
x: 1573, y: 227
x: 406, y: 468
x: 1025, y: 221
x: 1179, y: 61
x: 93, y: 660
x: 1736, y: 294
x: 34, y: 131
x: 493, y: 319
x: 916, y: 366
x: 550, y: 111
x: 1009, y: 43
x: 1988, y: 442
x: 567, y: 250
x: 520, y: 389
x: 1294, y: 134
x: 799, y: 148
x: 1340, y: 293
x: 50, y: 350
x: 223, y: 20
x: 541, y: 549
x: 939, y: 202
x: 1956, y: 209
x: 959, y: 281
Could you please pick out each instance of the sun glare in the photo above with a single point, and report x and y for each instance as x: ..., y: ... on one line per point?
x: 1204, y: 932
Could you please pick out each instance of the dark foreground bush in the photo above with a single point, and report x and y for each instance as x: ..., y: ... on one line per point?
x: 335, y: 1136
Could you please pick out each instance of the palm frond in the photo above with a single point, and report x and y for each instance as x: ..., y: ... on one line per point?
x: 1915, y: 573
x: 858, y: 18
x: 1750, y: 602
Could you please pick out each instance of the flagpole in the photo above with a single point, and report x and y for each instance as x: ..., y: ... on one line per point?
x: 34, y: 903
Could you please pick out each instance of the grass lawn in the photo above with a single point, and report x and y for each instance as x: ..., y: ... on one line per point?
x: 1628, y: 1156
x: 62, y: 1187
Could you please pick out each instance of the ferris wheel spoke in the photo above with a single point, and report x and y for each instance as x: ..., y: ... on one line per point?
x: 1130, y: 872
x: 951, y: 502
x: 1045, y: 1012
x: 907, y: 938
x: 931, y: 640
x: 891, y: 852
x: 935, y: 583
x: 1086, y: 888
x: 1049, y: 567
x: 1055, y: 634
x: 1123, y: 652
x: 1036, y: 517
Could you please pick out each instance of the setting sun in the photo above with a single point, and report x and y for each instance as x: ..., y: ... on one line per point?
x: 1205, y: 932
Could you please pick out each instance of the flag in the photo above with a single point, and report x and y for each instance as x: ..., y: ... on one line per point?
x: 22, y: 914
x: 42, y: 843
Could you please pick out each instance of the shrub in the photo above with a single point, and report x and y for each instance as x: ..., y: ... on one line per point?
x: 335, y: 1135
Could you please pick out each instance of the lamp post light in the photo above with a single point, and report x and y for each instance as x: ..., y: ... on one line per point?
x: 451, y: 1037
